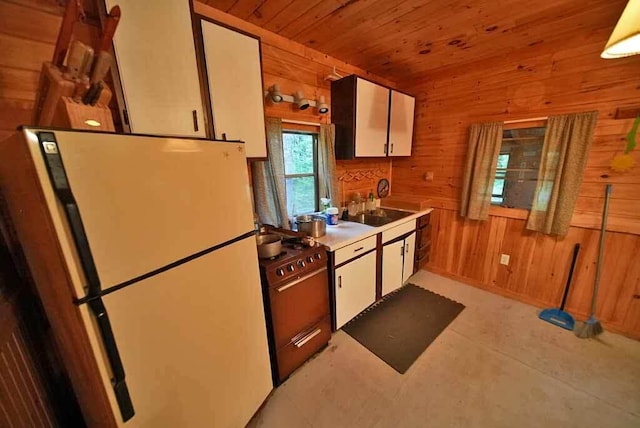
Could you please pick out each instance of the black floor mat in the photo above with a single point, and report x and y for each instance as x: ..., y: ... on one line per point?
x: 403, y: 324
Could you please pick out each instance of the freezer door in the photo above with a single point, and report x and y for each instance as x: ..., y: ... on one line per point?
x: 146, y: 202
x: 193, y: 342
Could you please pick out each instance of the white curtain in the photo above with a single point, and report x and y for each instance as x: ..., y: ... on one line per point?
x: 268, y: 180
x: 327, y: 177
x: 564, y: 156
x: 480, y: 170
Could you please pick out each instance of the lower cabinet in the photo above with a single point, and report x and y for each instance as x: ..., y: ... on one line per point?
x: 423, y: 243
x: 355, y: 289
x: 397, y: 263
x: 392, y: 266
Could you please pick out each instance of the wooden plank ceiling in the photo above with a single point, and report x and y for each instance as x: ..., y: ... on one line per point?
x: 413, y: 38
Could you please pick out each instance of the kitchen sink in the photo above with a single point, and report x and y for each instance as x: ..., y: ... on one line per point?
x: 379, y: 217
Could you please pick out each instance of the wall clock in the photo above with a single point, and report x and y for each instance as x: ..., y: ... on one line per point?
x: 383, y: 188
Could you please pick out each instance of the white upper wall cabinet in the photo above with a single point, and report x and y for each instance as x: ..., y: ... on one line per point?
x: 156, y: 60
x: 372, y: 119
x: 401, y: 124
x: 234, y: 77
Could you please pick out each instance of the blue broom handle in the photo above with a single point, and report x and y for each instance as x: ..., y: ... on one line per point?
x: 603, y: 229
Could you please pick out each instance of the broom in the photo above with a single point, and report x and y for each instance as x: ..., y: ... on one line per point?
x: 592, y: 327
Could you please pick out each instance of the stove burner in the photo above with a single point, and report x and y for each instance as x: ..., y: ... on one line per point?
x: 282, y: 254
x: 294, y: 243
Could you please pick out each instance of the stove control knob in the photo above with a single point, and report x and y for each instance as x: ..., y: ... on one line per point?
x: 290, y: 268
x: 317, y: 256
x: 310, y: 259
x: 301, y: 264
x: 280, y: 272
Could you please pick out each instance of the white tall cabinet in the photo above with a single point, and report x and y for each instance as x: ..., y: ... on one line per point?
x: 234, y: 77
x: 156, y: 60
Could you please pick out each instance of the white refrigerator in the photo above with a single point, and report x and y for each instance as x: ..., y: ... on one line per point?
x: 157, y: 241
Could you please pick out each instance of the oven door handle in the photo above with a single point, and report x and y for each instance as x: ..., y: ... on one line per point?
x: 299, y: 280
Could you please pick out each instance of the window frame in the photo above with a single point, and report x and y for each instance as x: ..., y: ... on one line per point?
x: 514, y: 212
x: 315, y: 174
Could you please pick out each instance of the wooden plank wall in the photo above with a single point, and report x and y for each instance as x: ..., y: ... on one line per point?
x: 28, y: 32
x: 293, y: 67
x: 542, y: 80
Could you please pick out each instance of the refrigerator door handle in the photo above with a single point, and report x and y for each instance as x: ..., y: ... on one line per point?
x: 111, y: 348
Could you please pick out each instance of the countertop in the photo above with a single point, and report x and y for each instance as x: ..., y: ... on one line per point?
x: 348, y: 232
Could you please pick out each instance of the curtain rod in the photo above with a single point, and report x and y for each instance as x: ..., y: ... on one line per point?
x: 301, y: 122
x: 533, y: 119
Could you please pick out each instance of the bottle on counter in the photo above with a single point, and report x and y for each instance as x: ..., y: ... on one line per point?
x: 332, y: 216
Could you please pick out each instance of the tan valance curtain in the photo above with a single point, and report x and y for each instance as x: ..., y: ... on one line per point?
x: 268, y: 180
x: 327, y: 176
x: 564, y: 156
x: 480, y: 170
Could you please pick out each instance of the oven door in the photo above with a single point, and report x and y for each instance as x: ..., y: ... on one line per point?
x: 298, y: 305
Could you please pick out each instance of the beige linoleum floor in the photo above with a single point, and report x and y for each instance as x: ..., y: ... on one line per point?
x: 496, y: 365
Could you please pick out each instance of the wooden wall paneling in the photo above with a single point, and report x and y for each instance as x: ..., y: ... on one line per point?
x: 539, y: 264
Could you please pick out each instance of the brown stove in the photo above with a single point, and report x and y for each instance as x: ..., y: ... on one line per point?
x: 296, y: 259
x: 295, y: 288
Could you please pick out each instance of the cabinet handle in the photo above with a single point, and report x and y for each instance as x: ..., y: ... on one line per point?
x: 300, y: 343
x: 385, y: 148
x: 195, y: 120
x: 340, y: 281
x: 391, y: 147
x: 224, y: 136
x: 402, y: 250
x: 358, y: 249
x: 406, y: 248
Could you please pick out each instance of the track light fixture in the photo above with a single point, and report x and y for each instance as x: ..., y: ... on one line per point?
x: 275, y: 95
x: 323, y: 108
x: 301, y: 101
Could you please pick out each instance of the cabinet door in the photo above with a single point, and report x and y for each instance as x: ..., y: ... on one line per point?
x: 409, y: 255
x: 156, y: 59
x: 355, y: 288
x: 392, y: 270
x: 401, y: 124
x: 235, y: 87
x: 372, y: 119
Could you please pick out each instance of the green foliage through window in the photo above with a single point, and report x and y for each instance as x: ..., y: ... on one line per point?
x: 301, y: 172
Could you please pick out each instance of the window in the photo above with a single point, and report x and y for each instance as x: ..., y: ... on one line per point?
x: 516, y: 177
x: 301, y: 171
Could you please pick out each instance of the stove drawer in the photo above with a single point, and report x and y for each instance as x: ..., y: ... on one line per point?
x: 302, y: 347
x: 298, y: 304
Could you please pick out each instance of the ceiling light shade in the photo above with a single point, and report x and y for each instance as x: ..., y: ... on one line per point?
x: 274, y: 94
x: 323, y: 108
x: 625, y: 39
x: 301, y: 101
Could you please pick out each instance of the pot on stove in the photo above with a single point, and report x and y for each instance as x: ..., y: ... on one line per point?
x: 314, y: 226
x: 269, y: 245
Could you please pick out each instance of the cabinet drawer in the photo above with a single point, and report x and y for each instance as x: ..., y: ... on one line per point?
x: 424, y: 236
x: 394, y: 232
x: 354, y: 250
x: 422, y: 257
x: 424, y: 220
x: 298, y: 305
x: 302, y: 347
